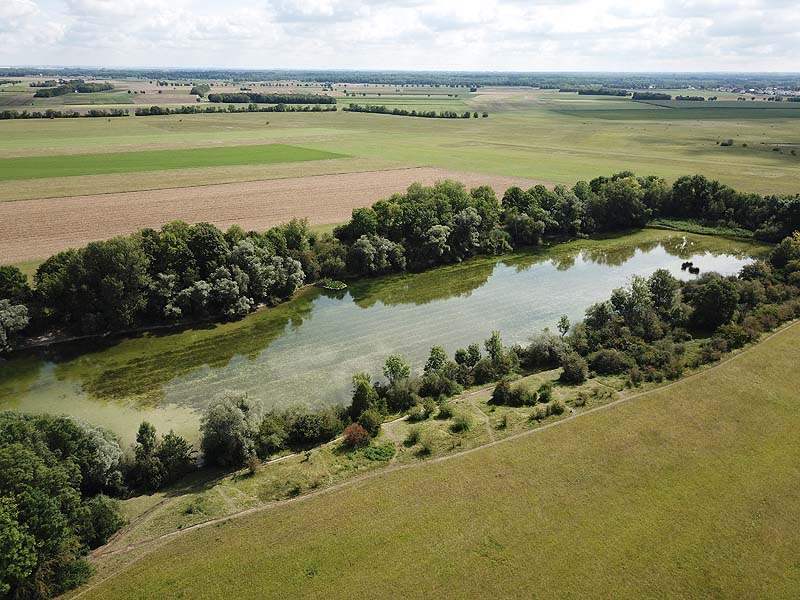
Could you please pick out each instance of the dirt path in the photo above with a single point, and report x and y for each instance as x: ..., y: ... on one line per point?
x: 157, y: 542
x: 35, y: 229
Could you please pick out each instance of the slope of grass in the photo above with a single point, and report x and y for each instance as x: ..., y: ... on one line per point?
x: 34, y: 167
x: 688, y: 491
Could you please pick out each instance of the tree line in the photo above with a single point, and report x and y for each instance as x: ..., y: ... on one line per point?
x: 429, y: 114
x: 73, y: 86
x: 63, y: 114
x: 231, y: 108
x: 200, y: 90
x: 259, y: 98
x: 193, y: 272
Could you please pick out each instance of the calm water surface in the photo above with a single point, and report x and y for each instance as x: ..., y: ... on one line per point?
x: 306, y: 350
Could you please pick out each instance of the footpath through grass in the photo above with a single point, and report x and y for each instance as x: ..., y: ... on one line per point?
x: 34, y: 167
x: 688, y: 491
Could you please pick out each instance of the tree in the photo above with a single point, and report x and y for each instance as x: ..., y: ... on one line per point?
x: 563, y: 325
x: 437, y: 359
x: 396, y: 369
x: 13, y: 319
x: 229, y: 429
x: 714, y: 303
x: 574, y: 368
x: 13, y: 285
x: 371, y: 420
x: 148, y: 471
x: 364, y: 395
x: 355, y: 436
x: 18, y: 558
x: 175, y: 454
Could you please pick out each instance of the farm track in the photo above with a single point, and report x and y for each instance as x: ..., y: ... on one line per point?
x: 35, y: 229
x: 152, y: 544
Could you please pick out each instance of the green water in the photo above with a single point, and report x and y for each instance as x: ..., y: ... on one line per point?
x: 306, y: 350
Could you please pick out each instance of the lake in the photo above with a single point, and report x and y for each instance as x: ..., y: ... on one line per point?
x: 306, y: 350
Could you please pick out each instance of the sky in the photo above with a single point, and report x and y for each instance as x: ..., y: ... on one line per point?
x: 466, y: 35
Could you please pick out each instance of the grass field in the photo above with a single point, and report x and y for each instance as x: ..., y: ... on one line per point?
x: 529, y: 133
x: 35, y: 167
x: 687, y: 491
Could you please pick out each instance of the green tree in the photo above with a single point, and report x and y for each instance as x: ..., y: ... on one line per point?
x: 14, y: 285
x: 714, y: 303
x: 563, y: 325
x: 437, y: 359
x: 229, y: 429
x: 364, y: 395
x: 396, y: 369
x: 18, y: 557
x: 13, y: 319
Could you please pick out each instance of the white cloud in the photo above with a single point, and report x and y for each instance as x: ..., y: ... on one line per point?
x: 690, y: 35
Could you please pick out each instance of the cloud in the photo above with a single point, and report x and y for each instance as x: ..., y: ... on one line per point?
x: 690, y: 35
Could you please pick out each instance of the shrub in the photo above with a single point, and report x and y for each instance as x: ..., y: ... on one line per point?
x: 574, y: 368
x: 610, y: 362
x: 379, y: 453
x: 371, y: 420
x: 413, y: 436
x: 556, y: 407
x: 462, y: 421
x: 355, y: 436
x: 734, y: 335
x: 445, y: 411
x: 417, y: 413
x: 546, y: 392
x: 539, y: 412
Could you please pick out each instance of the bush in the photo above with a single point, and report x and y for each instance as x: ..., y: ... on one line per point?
x: 556, y: 407
x: 380, y: 453
x: 610, y: 362
x: 355, y: 436
x: 574, y: 367
x: 371, y: 420
x: 446, y: 411
x: 413, y: 436
x: 545, y: 392
x: 417, y: 413
x: 462, y: 421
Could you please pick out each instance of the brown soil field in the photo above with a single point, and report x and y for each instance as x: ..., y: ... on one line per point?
x: 35, y: 229
x: 83, y: 185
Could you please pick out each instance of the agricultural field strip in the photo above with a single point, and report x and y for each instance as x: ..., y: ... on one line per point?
x: 74, y: 221
x: 154, y: 543
x: 12, y: 169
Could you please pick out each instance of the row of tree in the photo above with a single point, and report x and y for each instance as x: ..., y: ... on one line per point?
x: 73, y: 86
x: 231, y: 108
x: 403, y: 112
x: 63, y: 114
x: 270, y: 98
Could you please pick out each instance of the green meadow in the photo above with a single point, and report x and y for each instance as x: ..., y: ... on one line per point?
x: 35, y: 167
x: 530, y: 133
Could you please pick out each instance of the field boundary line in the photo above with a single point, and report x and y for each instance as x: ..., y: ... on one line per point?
x: 155, y: 543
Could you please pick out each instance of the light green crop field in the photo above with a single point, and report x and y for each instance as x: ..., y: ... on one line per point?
x: 689, y: 491
x: 35, y: 167
x: 529, y: 133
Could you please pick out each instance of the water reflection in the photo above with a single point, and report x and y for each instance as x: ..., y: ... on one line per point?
x: 306, y: 350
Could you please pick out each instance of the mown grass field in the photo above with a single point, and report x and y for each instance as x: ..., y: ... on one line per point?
x: 529, y: 133
x: 687, y: 491
x: 36, y: 167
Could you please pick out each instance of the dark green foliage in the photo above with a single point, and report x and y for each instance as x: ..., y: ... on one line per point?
x: 371, y: 420
x: 574, y: 368
x: 714, y: 300
x: 610, y: 361
x: 229, y: 430
x: 505, y: 394
x: 381, y: 453
x: 13, y: 285
x: 157, y: 463
x: 13, y: 319
x: 50, y: 472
